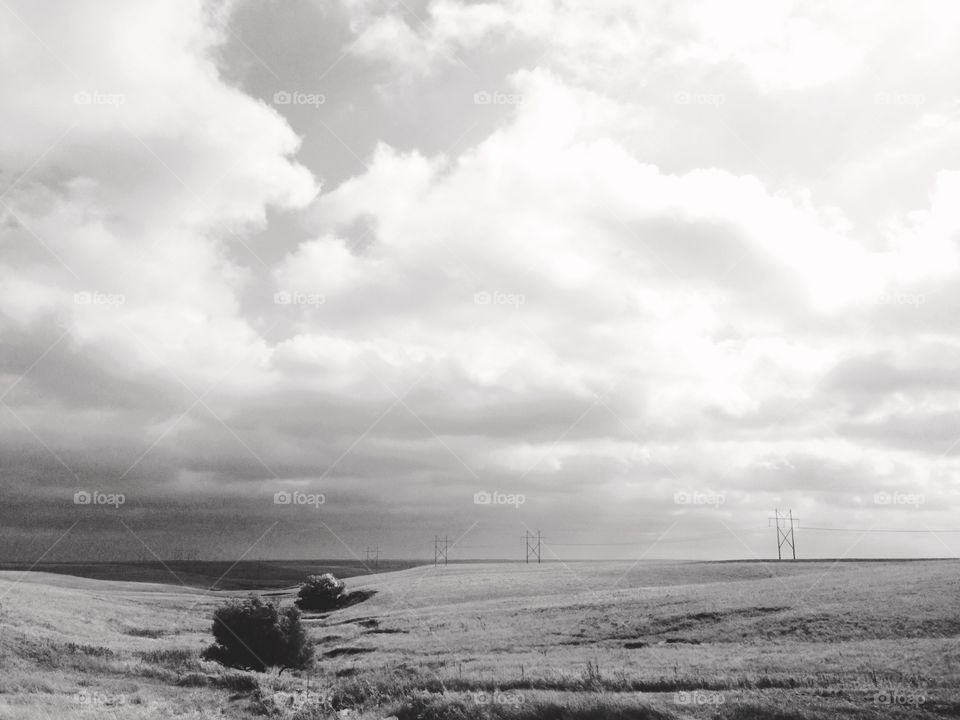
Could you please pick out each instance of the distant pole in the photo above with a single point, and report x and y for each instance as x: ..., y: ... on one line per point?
x: 785, y: 523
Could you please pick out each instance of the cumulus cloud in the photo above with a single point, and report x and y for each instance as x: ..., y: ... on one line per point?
x: 637, y: 280
x: 135, y: 172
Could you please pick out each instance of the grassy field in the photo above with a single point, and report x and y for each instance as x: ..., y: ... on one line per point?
x: 734, y: 641
x: 221, y: 575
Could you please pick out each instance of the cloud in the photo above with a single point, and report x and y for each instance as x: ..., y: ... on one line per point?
x: 632, y: 273
x: 137, y: 172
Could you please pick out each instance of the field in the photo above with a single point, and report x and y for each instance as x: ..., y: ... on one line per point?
x: 243, y: 575
x: 725, y: 640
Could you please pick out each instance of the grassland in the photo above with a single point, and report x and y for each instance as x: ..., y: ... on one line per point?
x: 733, y: 641
x: 223, y: 575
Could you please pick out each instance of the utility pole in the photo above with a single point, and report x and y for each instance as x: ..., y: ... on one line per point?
x: 785, y: 525
x: 533, y: 548
x: 440, y: 549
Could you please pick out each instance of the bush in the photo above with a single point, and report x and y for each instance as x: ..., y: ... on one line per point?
x: 320, y: 593
x: 254, y: 635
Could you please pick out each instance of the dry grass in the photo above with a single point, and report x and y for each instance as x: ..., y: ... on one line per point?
x: 661, y: 640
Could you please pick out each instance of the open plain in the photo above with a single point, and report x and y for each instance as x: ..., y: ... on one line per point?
x: 657, y: 639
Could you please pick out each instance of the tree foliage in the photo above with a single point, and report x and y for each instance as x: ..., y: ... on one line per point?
x: 320, y: 593
x: 252, y: 634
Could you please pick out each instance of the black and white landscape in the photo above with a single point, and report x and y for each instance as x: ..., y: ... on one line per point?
x: 513, y: 360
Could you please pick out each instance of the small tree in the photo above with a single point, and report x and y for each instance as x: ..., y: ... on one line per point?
x: 320, y: 593
x: 253, y: 635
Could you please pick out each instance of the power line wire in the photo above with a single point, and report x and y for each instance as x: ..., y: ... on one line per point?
x: 872, y: 530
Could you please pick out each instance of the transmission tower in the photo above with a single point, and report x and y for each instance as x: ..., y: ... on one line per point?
x: 785, y: 523
x: 533, y: 545
x: 440, y: 549
x: 373, y: 557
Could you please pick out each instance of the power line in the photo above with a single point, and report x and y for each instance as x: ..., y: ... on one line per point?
x: 786, y: 524
x: 616, y: 544
x: 874, y: 530
x: 688, y: 538
x: 636, y: 543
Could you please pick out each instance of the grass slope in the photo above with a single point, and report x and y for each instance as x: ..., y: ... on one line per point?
x: 733, y: 641
x: 223, y: 575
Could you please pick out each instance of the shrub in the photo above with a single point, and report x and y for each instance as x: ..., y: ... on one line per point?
x: 253, y: 635
x: 320, y: 593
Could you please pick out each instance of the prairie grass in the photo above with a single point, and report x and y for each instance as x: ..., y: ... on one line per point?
x: 721, y: 641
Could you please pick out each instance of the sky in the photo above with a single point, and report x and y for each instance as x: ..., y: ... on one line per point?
x: 294, y: 279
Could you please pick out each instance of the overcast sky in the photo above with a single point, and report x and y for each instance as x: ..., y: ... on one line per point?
x: 653, y: 269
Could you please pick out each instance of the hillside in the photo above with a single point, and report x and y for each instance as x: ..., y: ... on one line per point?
x: 219, y: 574
x: 657, y: 639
